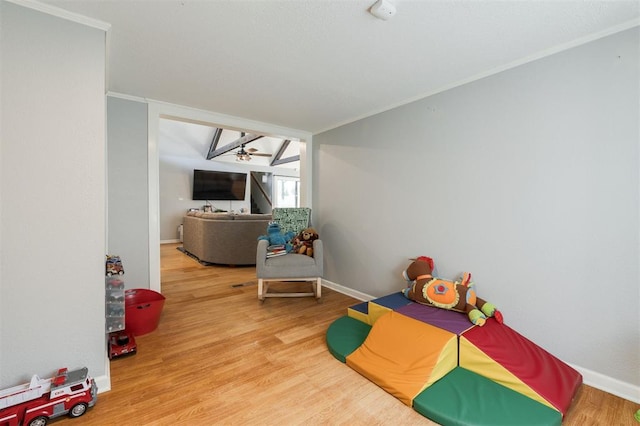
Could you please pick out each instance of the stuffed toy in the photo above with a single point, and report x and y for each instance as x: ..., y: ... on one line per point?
x: 276, y: 237
x: 303, y: 242
x: 459, y: 295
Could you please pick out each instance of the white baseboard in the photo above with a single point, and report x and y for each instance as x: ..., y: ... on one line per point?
x: 610, y: 385
x: 597, y: 380
x: 104, y: 382
x: 346, y: 290
x: 170, y: 241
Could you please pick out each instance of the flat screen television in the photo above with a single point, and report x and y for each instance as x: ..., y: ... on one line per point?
x: 213, y: 185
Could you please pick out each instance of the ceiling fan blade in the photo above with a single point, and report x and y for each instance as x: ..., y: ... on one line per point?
x: 261, y: 155
x: 251, y: 150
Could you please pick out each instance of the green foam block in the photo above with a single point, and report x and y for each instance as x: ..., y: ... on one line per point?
x: 345, y: 335
x: 463, y: 397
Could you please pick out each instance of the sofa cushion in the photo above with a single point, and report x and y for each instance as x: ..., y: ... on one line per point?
x: 216, y: 216
x: 253, y: 217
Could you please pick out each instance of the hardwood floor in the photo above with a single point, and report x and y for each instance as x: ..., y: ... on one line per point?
x: 219, y: 356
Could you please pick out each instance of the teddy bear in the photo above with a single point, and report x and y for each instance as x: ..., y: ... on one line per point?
x: 303, y: 242
x: 276, y: 237
x: 459, y: 295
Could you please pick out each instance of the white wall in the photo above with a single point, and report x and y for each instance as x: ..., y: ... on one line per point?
x: 176, y: 182
x: 528, y: 179
x: 52, y: 192
x: 128, y: 216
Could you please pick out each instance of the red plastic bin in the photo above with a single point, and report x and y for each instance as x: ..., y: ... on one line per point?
x: 142, y: 310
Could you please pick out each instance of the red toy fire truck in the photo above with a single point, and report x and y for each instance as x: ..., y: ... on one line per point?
x: 34, y: 403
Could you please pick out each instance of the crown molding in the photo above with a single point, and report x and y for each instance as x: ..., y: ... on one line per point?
x: 61, y: 13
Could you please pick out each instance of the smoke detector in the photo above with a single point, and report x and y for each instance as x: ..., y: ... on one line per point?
x: 383, y: 9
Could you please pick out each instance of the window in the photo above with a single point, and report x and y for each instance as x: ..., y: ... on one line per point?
x: 286, y: 191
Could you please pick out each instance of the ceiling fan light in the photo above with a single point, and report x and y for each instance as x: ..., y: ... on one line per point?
x: 243, y: 155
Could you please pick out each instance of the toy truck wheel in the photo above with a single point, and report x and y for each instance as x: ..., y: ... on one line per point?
x: 39, y: 421
x: 78, y: 410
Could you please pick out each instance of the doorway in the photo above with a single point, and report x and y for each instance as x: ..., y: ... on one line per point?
x: 158, y: 111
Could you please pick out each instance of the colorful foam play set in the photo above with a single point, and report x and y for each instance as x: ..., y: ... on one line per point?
x: 447, y: 366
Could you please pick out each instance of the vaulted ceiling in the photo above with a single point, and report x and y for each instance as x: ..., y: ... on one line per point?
x: 316, y: 64
x: 199, y: 141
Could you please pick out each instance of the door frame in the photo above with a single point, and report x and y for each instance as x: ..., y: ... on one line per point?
x: 157, y: 110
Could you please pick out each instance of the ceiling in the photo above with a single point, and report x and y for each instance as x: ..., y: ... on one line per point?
x: 313, y: 65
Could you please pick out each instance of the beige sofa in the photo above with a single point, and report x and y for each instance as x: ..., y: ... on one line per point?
x: 222, y: 238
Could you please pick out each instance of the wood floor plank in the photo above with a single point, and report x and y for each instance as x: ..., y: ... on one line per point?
x: 220, y: 356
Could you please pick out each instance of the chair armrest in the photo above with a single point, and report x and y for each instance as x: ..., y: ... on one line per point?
x: 318, y: 256
x: 261, y: 252
x: 261, y: 256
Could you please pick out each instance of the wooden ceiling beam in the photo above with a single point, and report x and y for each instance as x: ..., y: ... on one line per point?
x: 214, y: 142
x: 277, y: 158
x: 233, y: 145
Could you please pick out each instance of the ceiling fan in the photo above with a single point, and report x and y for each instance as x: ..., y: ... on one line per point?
x: 245, y: 154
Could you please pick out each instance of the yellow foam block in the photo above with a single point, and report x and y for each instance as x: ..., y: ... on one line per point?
x: 357, y: 315
x: 475, y: 360
x: 376, y: 311
x: 404, y: 356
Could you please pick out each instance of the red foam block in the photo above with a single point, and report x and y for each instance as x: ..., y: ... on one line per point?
x: 552, y: 379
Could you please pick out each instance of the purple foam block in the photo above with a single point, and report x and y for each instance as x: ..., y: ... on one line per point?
x: 452, y: 321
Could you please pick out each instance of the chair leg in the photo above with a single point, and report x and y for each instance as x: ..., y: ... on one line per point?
x: 318, y: 288
x: 260, y: 289
x: 263, y: 288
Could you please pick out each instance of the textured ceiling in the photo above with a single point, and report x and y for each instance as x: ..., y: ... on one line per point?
x: 315, y: 64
